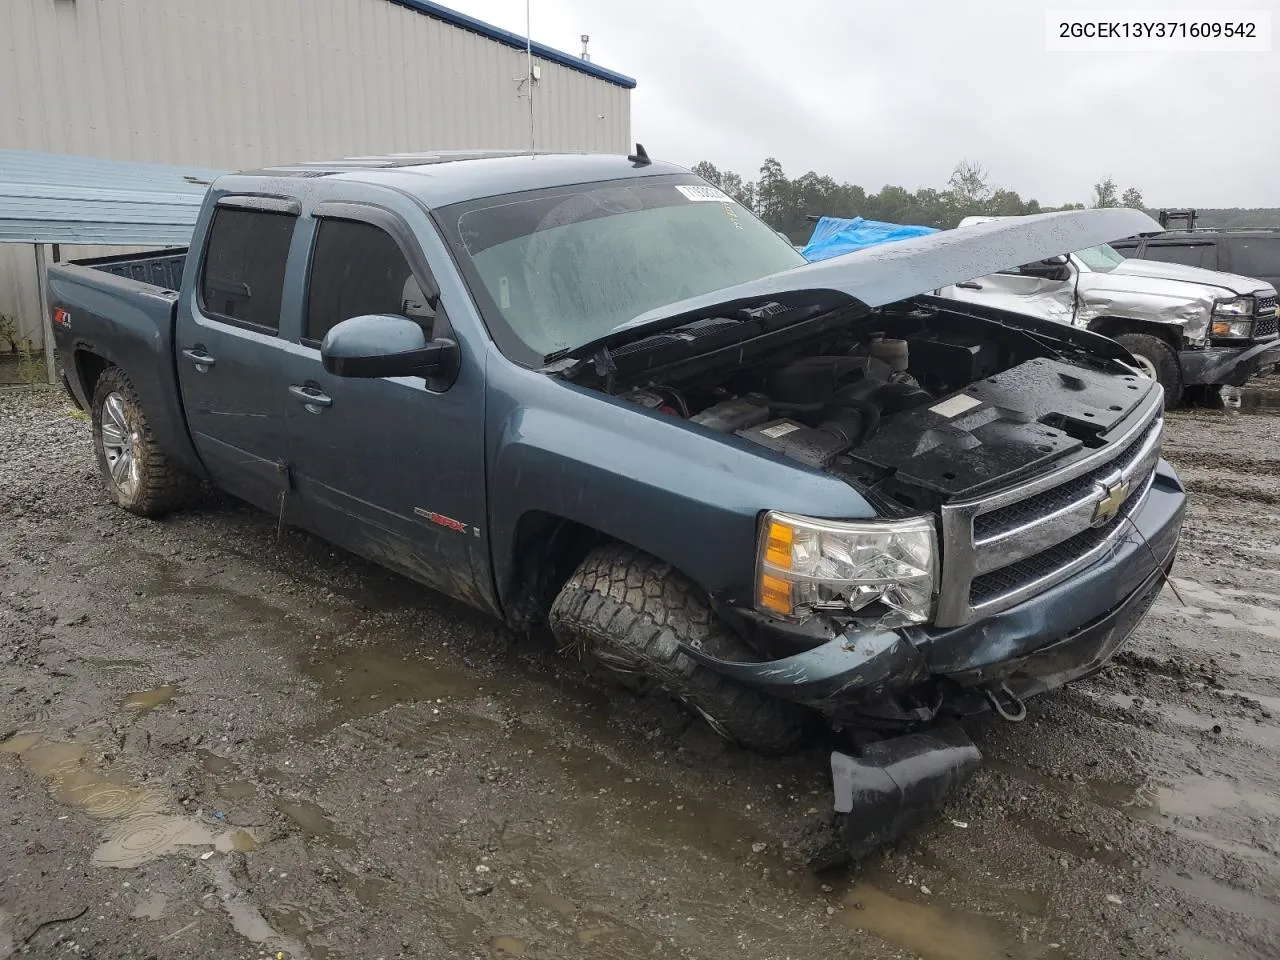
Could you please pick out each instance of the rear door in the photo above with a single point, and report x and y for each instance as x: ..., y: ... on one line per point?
x: 386, y: 466
x: 229, y: 350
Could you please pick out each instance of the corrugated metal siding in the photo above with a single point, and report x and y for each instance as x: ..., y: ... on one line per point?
x: 246, y: 83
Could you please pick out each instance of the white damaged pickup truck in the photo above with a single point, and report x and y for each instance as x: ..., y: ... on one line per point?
x: 1193, y: 330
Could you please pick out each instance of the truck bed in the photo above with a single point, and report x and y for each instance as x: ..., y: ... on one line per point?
x: 159, y: 268
x: 121, y: 310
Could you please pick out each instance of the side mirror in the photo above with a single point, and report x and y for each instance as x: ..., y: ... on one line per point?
x: 386, y: 345
x: 1057, y: 268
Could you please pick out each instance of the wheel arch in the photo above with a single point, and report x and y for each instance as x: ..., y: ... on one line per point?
x: 545, y: 549
x: 87, y: 367
x: 1118, y: 326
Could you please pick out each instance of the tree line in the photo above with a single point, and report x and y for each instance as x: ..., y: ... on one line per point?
x: 785, y: 204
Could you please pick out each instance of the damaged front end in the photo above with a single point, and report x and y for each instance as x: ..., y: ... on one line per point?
x: 893, y: 786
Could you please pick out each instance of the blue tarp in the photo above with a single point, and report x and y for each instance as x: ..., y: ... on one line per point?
x: 836, y: 235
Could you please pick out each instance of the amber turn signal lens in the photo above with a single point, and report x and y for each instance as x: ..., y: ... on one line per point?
x: 777, y: 550
x: 775, y: 594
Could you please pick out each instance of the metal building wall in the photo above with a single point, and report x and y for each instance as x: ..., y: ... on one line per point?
x: 244, y: 83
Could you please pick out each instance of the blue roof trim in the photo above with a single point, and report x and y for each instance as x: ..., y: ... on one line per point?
x: 515, y: 40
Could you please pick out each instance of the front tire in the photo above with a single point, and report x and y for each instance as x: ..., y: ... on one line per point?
x: 139, y: 475
x: 629, y: 611
x: 1157, y: 360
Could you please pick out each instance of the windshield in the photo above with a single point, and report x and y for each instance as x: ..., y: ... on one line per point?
x: 556, y: 269
x: 1101, y: 258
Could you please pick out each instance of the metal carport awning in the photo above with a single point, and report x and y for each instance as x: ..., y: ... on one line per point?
x: 50, y: 198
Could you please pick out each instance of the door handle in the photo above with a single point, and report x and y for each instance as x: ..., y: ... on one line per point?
x: 199, y: 358
x: 969, y: 285
x: 313, y: 398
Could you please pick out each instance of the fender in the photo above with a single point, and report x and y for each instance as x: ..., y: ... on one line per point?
x: 681, y: 492
x: 138, y: 339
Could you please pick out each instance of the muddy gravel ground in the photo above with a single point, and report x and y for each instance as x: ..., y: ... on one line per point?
x: 219, y: 741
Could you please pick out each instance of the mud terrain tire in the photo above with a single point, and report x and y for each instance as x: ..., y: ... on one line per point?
x: 138, y: 474
x: 629, y: 610
x: 1154, y: 353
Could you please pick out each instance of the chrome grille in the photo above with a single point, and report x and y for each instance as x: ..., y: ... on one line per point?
x: 1016, y: 575
x: 1001, y: 549
x: 1264, y: 313
x: 1004, y: 519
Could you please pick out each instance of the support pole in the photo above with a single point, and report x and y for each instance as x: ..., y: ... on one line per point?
x: 42, y: 277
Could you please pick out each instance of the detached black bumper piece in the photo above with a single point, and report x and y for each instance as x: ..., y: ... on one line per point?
x: 894, y: 786
x: 1230, y: 366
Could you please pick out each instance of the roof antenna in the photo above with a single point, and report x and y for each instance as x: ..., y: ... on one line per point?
x: 639, y: 158
x: 529, y: 77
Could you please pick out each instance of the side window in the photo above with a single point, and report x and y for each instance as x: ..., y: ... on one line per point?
x: 1255, y: 256
x: 356, y: 269
x: 244, y: 263
x: 1190, y: 254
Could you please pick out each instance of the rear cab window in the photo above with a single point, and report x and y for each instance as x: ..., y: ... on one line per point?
x: 242, y: 276
x: 1192, y: 254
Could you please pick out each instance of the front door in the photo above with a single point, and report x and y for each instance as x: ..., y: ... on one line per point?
x: 1046, y: 289
x: 229, y: 353
x: 386, y: 466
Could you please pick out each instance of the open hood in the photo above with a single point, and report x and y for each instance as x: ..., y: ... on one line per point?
x: 877, y: 276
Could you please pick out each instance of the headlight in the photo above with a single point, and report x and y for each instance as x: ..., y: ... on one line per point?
x: 1239, y: 307
x: 1242, y: 329
x: 881, y: 568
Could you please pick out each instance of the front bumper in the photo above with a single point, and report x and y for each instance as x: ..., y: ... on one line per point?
x: 1230, y: 366
x: 1066, y: 632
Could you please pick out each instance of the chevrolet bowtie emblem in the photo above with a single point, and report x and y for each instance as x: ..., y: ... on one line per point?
x: 1113, y: 497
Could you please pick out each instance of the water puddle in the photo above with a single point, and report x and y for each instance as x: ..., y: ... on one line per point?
x: 1206, y: 605
x: 313, y: 820
x: 1104, y: 793
x: 140, y: 840
x: 1254, y: 400
x: 507, y: 946
x: 138, y: 828
x: 1198, y: 797
x: 294, y: 924
x: 152, y: 908
x: 309, y: 816
x: 247, y: 920
x: 1219, y: 894
x: 237, y: 790
x: 931, y: 931
x: 144, y: 701
x: 1078, y: 845
x: 214, y: 763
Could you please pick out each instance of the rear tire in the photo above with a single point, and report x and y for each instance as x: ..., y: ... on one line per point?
x: 629, y: 611
x: 138, y: 473
x: 1158, y: 361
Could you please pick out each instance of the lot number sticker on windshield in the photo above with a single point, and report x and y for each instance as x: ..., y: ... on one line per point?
x: 699, y: 193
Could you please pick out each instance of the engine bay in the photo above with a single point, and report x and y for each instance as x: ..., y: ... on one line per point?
x: 917, y: 406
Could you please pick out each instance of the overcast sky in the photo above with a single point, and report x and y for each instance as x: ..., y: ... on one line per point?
x: 875, y: 92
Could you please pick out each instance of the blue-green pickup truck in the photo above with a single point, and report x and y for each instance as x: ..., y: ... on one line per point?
x: 594, y: 393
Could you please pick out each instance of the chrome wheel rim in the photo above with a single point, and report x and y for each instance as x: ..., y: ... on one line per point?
x: 118, y: 444
x: 1146, y: 367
